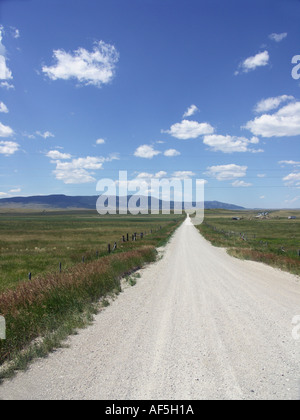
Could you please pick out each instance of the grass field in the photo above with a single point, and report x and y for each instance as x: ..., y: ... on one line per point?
x: 274, y: 239
x: 38, y: 243
x: 41, y: 312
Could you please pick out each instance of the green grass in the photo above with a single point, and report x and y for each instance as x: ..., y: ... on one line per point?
x: 40, y: 313
x: 37, y: 243
x: 274, y: 240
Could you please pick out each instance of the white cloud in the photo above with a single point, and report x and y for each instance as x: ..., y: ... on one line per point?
x: 5, y: 72
x: 239, y: 183
x: 289, y: 162
x: 7, y: 85
x: 3, y: 108
x: 56, y: 155
x: 160, y: 174
x: 190, y: 111
x: 148, y: 176
x: 78, y: 170
x: 8, y: 148
x: 183, y: 174
x: 75, y: 176
x: 171, y: 153
x: 100, y: 141
x: 189, y: 130
x: 285, y: 122
x: 16, y: 33
x: 3, y: 194
x: 278, y: 37
x: 269, y: 104
x: 292, y: 179
x: 251, y: 63
x: 96, y: 67
x: 292, y: 200
x: 5, y: 131
x: 45, y: 135
x: 15, y: 190
x: 227, y: 172
x: 230, y: 144
x: 145, y: 151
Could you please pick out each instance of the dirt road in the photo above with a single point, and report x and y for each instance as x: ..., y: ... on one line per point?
x: 198, y: 324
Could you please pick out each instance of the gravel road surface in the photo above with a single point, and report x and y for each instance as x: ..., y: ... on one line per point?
x: 198, y: 324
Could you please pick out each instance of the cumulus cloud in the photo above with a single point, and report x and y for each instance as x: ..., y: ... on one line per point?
x: 292, y: 179
x: 190, y: 111
x: 239, y: 183
x: 251, y: 63
x: 171, y: 153
x: 269, y: 104
x: 78, y: 170
x: 283, y: 123
x: 289, y: 162
x: 145, y: 151
x: 230, y: 144
x: 278, y: 37
x: 5, y: 131
x: 5, y: 72
x: 8, y: 148
x: 3, y: 108
x: 189, y: 130
x: 56, y: 155
x: 148, y: 176
x: 45, y: 135
x: 100, y: 141
x: 227, y: 172
x: 96, y: 67
x: 183, y: 174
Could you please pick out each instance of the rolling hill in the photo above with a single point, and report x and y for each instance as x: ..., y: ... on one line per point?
x: 61, y: 201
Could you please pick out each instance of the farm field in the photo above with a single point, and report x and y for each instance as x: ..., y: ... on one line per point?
x: 36, y: 243
x: 53, y: 304
x: 273, y: 239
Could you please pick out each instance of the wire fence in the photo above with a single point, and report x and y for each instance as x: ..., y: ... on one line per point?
x: 253, y: 240
x: 111, y: 247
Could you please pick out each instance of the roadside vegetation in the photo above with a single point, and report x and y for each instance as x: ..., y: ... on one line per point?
x: 271, y: 238
x: 42, y: 312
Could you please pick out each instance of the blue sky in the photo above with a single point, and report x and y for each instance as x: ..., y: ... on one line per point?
x: 204, y: 89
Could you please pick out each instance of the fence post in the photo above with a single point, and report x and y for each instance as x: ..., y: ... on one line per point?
x: 127, y: 237
x: 60, y: 267
x: 108, y: 248
x: 29, y: 276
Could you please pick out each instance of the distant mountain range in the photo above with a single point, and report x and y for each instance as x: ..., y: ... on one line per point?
x: 48, y: 202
